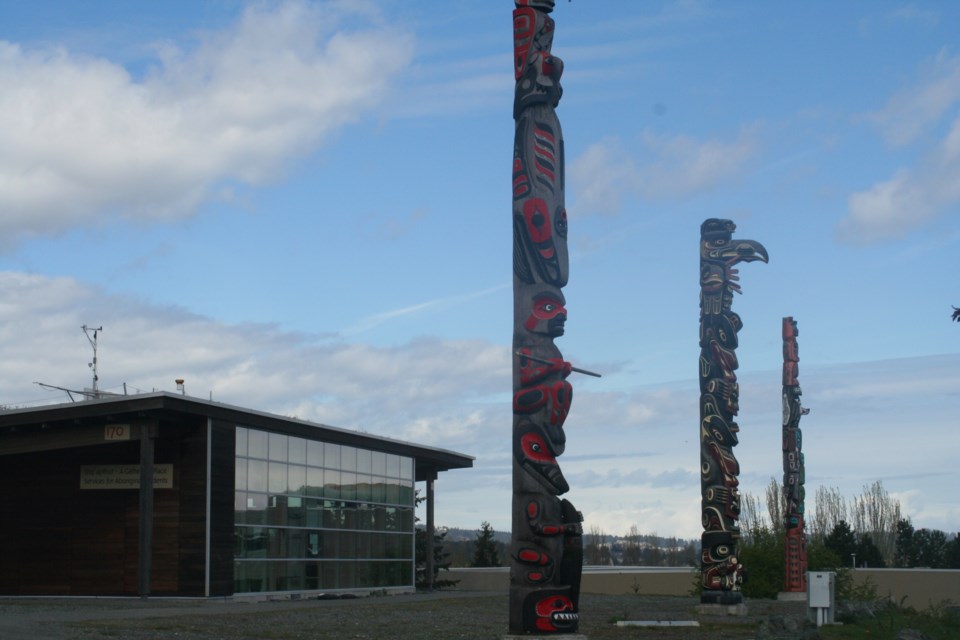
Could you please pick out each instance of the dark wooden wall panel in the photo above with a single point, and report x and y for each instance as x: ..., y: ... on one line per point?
x: 193, y: 509
x: 60, y: 540
x: 223, y: 476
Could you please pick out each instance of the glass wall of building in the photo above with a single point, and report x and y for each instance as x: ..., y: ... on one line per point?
x: 314, y: 515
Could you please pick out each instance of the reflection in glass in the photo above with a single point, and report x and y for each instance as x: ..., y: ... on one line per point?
x: 278, y: 447
x: 257, y: 475
x: 297, y: 448
x: 314, y: 453
x: 348, y: 525
x: 393, y: 466
x: 278, y: 477
x: 256, y: 443
x: 240, y: 475
x: 241, y: 441
x: 331, y: 456
x: 364, y: 461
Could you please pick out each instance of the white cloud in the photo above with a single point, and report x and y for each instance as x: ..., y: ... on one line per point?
x: 81, y: 139
x: 915, y: 110
x: 675, y: 167
x: 911, y: 199
x: 914, y: 196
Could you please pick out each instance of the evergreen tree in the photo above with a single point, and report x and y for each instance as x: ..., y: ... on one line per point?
x: 931, y: 548
x: 486, y: 551
x: 868, y: 555
x: 440, y: 559
x: 904, y: 555
x: 953, y: 553
x: 842, y: 541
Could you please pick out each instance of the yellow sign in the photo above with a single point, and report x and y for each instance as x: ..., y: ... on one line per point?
x: 123, y: 476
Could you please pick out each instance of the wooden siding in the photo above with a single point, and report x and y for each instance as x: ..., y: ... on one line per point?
x: 223, y: 477
x: 61, y: 540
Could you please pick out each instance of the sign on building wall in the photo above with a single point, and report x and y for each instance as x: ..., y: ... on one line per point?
x: 123, y: 476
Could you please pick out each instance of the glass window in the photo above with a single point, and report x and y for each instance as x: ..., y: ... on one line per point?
x: 348, y: 458
x: 364, y: 461
x: 278, y: 447
x: 241, y: 441
x: 348, y: 485
x: 240, y: 475
x: 297, y: 479
x: 314, y: 453
x: 297, y: 450
x: 316, y: 515
x: 314, y: 481
x: 378, y: 490
x: 393, y: 491
x: 364, y: 491
x: 331, y: 456
x: 331, y: 483
x: 406, y: 468
x: 407, y: 494
x: 278, y: 477
x: 257, y: 475
x: 256, y: 444
x: 393, y: 466
x: 379, y: 463
x: 239, y: 506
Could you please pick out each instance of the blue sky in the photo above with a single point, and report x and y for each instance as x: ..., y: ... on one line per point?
x: 304, y: 208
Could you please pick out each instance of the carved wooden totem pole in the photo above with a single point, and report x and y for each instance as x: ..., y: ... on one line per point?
x: 719, y: 405
x: 547, y: 535
x: 795, y: 579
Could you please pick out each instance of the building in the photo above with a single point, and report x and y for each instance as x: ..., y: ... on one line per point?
x: 228, y: 501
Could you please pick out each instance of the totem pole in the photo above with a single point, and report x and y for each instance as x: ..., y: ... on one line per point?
x: 795, y: 578
x: 719, y: 404
x: 547, y: 534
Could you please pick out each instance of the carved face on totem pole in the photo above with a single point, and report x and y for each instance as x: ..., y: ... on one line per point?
x: 532, y: 450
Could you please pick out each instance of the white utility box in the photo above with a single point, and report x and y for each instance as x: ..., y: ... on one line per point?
x: 821, y: 596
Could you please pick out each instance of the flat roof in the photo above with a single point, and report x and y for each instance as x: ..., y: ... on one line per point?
x: 164, y: 404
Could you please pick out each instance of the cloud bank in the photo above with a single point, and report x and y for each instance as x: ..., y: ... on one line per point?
x: 926, y: 115
x: 81, y: 140
x: 662, y: 167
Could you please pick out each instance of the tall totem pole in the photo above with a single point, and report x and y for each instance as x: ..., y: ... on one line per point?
x: 795, y: 578
x: 719, y: 405
x: 547, y: 535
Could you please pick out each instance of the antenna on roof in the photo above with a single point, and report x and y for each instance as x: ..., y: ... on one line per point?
x: 93, y: 365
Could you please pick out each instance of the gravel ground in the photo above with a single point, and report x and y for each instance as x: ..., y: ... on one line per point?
x: 424, y: 616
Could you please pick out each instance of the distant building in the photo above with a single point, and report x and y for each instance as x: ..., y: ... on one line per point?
x: 242, y: 502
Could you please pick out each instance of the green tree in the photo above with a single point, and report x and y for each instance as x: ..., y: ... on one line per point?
x: 903, y: 556
x: 486, y: 551
x: 441, y: 560
x: 821, y: 558
x: 631, y: 547
x: 868, y: 554
x: 842, y: 541
x: 953, y: 553
x: 931, y: 548
x: 762, y: 557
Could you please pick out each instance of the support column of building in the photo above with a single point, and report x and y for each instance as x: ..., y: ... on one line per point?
x: 430, y: 531
x: 148, y: 433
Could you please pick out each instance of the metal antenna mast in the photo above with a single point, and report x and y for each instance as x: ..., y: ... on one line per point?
x: 93, y: 365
